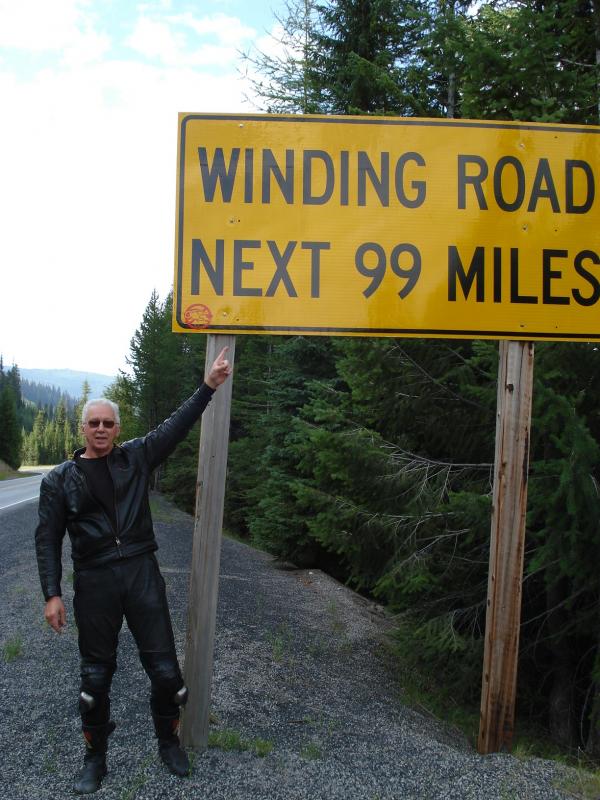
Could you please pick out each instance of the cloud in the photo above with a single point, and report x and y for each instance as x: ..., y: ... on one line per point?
x: 40, y: 25
x: 156, y: 39
x: 88, y: 168
x: 185, y: 40
x: 229, y: 30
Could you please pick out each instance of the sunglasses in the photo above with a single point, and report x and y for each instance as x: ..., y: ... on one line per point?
x: 95, y: 423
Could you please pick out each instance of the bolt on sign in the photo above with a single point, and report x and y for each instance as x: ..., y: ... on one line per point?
x: 377, y: 226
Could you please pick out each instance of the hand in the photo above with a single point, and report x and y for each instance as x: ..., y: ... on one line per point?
x: 220, y: 370
x: 55, y: 614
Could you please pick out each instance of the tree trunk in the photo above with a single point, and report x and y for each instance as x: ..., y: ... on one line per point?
x: 561, y: 717
x: 592, y: 745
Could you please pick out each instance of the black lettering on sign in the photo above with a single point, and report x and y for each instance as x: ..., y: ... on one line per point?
x: 419, y: 186
x: 498, y: 190
x: 248, y: 175
x: 308, y: 197
x: 240, y: 266
x: 218, y: 172
x: 497, y: 274
x: 472, y: 171
x: 376, y: 272
x: 315, y: 264
x: 344, y: 176
x: 284, y: 178
x: 214, y: 272
x: 587, y: 255
x: 543, y: 176
x: 411, y: 274
x: 549, y: 274
x: 570, y: 166
x: 373, y: 253
x: 475, y: 179
x: 381, y: 183
x: 475, y: 274
x: 281, y: 274
x: 515, y: 296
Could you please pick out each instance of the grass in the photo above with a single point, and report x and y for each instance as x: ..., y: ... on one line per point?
x: 12, y: 648
x: 162, y: 512
x: 339, y: 627
x: 311, y: 751
x: 583, y: 785
x: 245, y: 540
x: 425, y: 691
x: 50, y: 762
x: 9, y: 474
x: 139, y: 779
x: 280, y: 640
x: 228, y: 739
x: 337, y: 624
x: 262, y: 747
x: 317, y: 647
x: 322, y: 723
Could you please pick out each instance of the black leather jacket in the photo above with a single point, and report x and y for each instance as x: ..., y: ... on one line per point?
x: 66, y: 502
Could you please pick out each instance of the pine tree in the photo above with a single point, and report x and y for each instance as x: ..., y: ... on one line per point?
x: 10, y: 430
x: 283, y: 78
x: 534, y: 61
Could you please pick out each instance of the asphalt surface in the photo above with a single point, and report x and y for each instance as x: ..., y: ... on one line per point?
x: 300, y: 672
x: 19, y: 490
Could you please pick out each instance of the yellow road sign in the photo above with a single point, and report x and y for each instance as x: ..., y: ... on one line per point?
x: 383, y: 226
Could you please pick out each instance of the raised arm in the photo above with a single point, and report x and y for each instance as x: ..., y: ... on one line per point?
x: 161, y: 442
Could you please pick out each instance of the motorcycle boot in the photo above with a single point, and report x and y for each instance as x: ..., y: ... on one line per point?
x: 94, y: 761
x: 169, y: 748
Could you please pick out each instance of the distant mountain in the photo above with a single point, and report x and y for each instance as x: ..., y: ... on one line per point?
x: 42, y: 395
x: 69, y: 380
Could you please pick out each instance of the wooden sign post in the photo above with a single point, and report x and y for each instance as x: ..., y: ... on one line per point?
x: 206, y: 552
x: 513, y: 424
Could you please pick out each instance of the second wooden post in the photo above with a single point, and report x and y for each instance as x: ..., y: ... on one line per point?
x: 513, y: 424
x: 206, y: 552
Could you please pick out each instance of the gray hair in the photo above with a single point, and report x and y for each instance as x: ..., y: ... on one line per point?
x: 100, y: 401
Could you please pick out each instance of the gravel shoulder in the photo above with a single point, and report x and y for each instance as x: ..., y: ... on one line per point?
x: 299, y: 669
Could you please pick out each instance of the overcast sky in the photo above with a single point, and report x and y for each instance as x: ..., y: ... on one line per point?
x: 89, y: 92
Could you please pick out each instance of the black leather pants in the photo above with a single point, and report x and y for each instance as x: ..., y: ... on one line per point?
x: 131, y: 589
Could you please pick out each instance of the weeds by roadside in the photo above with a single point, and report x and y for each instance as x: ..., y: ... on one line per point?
x: 161, y: 512
x: 583, y: 783
x: 280, y: 640
x: 139, y: 779
x: 51, y: 757
x: 229, y: 739
x: 12, y: 648
x: 311, y: 751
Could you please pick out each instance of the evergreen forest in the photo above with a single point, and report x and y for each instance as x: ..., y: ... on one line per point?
x: 39, y: 423
x: 372, y: 458
x: 12, y: 415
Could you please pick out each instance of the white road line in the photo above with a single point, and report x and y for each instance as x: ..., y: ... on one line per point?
x: 27, y: 500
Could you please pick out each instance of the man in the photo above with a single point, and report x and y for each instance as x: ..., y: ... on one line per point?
x: 101, y: 498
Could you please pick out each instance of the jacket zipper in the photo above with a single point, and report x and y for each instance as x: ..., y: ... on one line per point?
x: 117, y: 531
x: 108, y: 519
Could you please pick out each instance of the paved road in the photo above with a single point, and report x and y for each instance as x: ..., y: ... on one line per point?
x: 19, y: 490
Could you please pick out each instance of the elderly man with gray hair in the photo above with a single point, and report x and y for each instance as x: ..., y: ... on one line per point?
x: 100, y: 497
